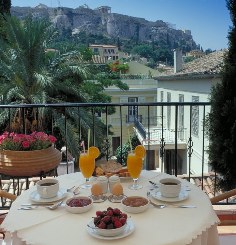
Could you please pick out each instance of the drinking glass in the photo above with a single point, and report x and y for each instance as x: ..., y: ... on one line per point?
x: 86, y: 165
x: 134, y: 165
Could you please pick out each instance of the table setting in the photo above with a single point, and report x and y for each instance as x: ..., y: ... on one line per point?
x: 151, y: 207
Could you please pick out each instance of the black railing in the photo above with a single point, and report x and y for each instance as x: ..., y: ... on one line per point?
x: 176, y: 144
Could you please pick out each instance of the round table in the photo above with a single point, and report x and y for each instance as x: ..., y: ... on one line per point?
x: 168, y: 226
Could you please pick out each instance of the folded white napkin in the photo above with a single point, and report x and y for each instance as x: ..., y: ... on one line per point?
x: 20, y: 219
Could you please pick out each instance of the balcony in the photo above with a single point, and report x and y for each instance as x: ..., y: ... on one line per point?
x: 175, y: 143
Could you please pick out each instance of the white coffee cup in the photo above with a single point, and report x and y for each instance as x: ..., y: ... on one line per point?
x: 170, y: 187
x: 47, y: 188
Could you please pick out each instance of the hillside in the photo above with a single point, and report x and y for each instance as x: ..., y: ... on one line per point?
x: 102, y: 21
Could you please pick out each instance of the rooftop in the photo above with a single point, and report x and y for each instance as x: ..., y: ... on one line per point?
x: 210, y: 64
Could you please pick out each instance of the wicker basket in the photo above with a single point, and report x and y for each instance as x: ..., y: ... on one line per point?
x: 29, y: 163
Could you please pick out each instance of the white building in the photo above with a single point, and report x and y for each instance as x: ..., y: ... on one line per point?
x: 192, y: 83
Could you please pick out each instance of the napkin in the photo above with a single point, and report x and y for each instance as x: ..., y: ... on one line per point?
x: 20, y: 219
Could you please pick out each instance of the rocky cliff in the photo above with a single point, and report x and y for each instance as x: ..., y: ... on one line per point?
x: 103, y: 21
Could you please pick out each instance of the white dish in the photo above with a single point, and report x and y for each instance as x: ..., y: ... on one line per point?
x: 116, y: 199
x: 98, y: 199
x: 127, y: 231
x: 135, y: 209
x: 35, y: 197
x: 78, y: 209
x: 183, y: 195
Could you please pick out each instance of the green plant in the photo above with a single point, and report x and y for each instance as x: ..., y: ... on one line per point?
x: 122, y: 152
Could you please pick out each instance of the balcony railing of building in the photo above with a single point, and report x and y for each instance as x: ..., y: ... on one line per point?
x: 170, y: 129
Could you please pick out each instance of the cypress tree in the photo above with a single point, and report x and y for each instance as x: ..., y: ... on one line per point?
x: 222, y: 118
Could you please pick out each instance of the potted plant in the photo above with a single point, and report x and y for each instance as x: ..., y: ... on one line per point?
x: 27, y: 154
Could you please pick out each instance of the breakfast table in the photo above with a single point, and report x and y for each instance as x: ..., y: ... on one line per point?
x: 167, y: 226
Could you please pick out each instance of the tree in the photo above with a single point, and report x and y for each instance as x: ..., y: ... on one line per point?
x: 5, y: 7
x: 29, y: 75
x: 222, y: 118
x: 143, y: 50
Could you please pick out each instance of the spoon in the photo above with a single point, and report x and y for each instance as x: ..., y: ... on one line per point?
x: 54, y: 206
x: 76, y: 191
x: 70, y: 189
x: 169, y: 205
x: 154, y: 204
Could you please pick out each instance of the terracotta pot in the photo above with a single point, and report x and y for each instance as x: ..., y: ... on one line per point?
x: 29, y: 163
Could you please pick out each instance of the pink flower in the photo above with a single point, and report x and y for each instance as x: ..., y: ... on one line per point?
x: 25, y: 144
x: 52, y: 139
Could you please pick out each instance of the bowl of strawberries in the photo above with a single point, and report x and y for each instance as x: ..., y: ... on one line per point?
x: 110, y: 222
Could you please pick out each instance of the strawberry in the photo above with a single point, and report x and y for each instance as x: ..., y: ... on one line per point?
x: 99, y: 213
x: 102, y: 225
x: 106, y: 219
x: 122, y: 221
x: 114, y: 218
x: 116, y: 211
x: 124, y: 215
x: 117, y: 224
x: 109, y: 212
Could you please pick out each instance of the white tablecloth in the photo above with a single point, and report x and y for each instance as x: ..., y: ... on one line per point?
x: 168, y: 226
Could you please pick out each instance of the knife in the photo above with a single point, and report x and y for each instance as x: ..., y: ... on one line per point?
x: 37, y: 204
x: 185, y: 206
x: 154, y: 184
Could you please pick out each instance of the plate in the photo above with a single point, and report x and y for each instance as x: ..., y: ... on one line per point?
x: 35, y: 197
x: 128, y: 230
x: 183, y: 195
x: 97, y: 199
x: 116, y: 199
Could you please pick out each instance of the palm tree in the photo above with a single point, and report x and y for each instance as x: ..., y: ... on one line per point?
x: 30, y: 74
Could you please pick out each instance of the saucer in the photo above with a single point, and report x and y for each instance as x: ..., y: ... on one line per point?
x: 128, y: 230
x: 97, y: 199
x: 183, y: 195
x: 113, y: 198
x: 35, y: 197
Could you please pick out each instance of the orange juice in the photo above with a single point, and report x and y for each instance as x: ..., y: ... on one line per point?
x: 86, y: 164
x: 134, y: 165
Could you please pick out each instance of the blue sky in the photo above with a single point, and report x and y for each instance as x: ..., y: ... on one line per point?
x: 209, y: 20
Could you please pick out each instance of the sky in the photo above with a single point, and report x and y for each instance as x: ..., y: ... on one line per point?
x: 208, y: 20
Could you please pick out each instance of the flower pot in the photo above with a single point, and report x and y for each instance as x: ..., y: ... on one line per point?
x: 29, y: 163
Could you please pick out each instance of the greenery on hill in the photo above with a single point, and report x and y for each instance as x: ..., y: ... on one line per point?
x: 222, y: 118
x: 154, y: 52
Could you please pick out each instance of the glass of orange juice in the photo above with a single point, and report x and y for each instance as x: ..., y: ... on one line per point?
x: 135, y: 165
x: 87, y: 164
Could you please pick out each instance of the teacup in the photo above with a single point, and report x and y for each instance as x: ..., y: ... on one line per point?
x: 47, y: 188
x: 170, y: 187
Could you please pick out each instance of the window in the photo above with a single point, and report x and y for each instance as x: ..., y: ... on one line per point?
x: 132, y: 110
x: 168, y: 111
x: 195, y: 116
x: 162, y: 96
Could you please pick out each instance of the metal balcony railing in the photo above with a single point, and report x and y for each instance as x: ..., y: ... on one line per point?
x: 175, y: 142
